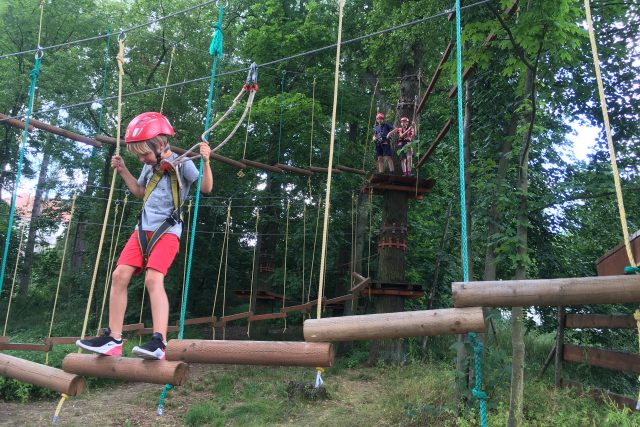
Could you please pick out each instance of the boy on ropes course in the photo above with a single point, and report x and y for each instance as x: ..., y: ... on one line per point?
x: 163, y: 185
x: 383, y: 147
x: 403, y: 145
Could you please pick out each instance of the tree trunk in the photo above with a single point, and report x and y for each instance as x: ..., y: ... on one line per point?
x: 27, y: 264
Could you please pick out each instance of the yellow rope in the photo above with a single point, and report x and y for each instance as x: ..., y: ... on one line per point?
x: 111, y: 260
x: 313, y: 254
x: 304, y: 246
x: 166, y: 83
x: 64, y: 255
x: 370, y: 223
x: 313, y: 110
x: 40, y: 25
x: 253, y: 270
x: 226, y: 263
x: 63, y: 398
x: 13, y: 282
x: 607, y: 128
x: 222, y: 252
x: 186, y: 251
x: 366, y: 141
x: 286, y: 249
x: 120, y: 59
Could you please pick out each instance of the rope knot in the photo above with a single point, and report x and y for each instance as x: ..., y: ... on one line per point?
x: 479, y: 394
x: 215, y: 49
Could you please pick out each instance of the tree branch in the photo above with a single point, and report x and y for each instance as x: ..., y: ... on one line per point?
x: 519, y: 51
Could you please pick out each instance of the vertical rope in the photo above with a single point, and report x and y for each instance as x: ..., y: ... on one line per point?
x: 105, y: 71
x: 13, y: 282
x: 284, y: 72
x: 368, y: 138
x: 313, y: 254
x: 304, y: 246
x: 110, y: 262
x: 63, y: 398
x: 327, y: 205
x: 222, y: 252
x: 120, y: 59
x: 286, y: 250
x: 64, y: 254
x: 246, y: 135
x: 370, y: 224
x: 607, y: 128
x: 186, y: 252
x: 166, y: 82
x: 253, y: 271
x: 313, y: 110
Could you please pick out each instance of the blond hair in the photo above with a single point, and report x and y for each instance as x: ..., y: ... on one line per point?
x: 142, y: 148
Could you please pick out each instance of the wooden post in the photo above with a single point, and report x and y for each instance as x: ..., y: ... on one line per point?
x: 559, y: 346
x: 395, y: 325
x: 548, y: 292
x: 269, y: 353
x: 41, y: 375
x: 126, y: 368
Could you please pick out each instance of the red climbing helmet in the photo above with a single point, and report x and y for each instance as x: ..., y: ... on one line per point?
x: 404, y: 119
x: 379, y: 116
x: 146, y: 126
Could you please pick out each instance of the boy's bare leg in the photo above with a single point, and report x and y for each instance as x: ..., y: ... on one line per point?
x: 154, y: 281
x: 118, y: 298
x: 409, y: 161
x: 389, y: 163
x: 403, y: 165
x: 380, y: 164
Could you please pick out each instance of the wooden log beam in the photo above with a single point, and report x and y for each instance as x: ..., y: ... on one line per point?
x: 63, y: 340
x: 443, y: 132
x: 336, y: 300
x: 294, y: 169
x: 237, y: 316
x: 363, y: 282
x: 301, y: 307
x: 269, y: 353
x: 25, y: 347
x: 132, y: 327
x: 436, y: 76
x: 323, y: 170
x: 150, y: 331
x: 351, y: 170
x: 208, y: 320
x: 41, y: 375
x: 395, y: 325
x: 548, y: 292
x: 615, y: 360
x: 55, y: 130
x: 268, y: 316
x: 126, y: 368
x: 5, y: 120
x: 601, y: 321
x: 262, y: 166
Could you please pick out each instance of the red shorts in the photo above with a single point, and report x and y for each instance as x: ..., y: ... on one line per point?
x: 162, y: 254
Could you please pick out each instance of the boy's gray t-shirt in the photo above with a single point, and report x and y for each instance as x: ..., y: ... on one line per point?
x: 159, y: 205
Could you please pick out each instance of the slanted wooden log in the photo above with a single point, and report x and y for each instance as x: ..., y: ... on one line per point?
x: 126, y: 368
x: 446, y: 321
x: 548, y: 292
x: 6, y: 120
x: 41, y: 375
x: 270, y: 353
x: 294, y: 169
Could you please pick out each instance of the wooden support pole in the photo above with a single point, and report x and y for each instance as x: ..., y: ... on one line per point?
x: 294, y: 169
x: 63, y: 340
x: 548, y: 292
x: 5, y: 120
x: 126, y: 368
x: 41, y: 375
x: 559, y: 347
x: 446, y: 321
x: 269, y: 353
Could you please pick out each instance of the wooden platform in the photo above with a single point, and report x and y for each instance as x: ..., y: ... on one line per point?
x: 615, y: 260
x: 401, y: 289
x: 378, y: 184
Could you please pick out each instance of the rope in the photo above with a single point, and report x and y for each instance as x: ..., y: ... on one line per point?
x: 164, y: 93
x: 40, y: 25
x: 63, y: 398
x: 13, y: 282
x: 120, y: 59
x: 284, y: 72
x: 369, y: 128
x: 225, y: 244
x: 313, y: 110
x: 105, y: 71
x: 477, y: 391
x: 253, y: 270
x: 64, y: 254
x: 304, y: 247
x: 32, y: 89
x: 313, y: 254
x: 246, y: 138
x: 607, y: 128
x: 286, y: 249
x: 109, y: 265
x: 327, y: 205
x: 184, y: 269
x: 370, y: 224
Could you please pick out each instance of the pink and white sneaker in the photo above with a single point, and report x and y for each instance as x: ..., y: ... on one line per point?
x: 104, y: 344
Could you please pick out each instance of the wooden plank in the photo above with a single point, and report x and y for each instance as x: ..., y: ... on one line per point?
x: 351, y: 170
x: 601, y: 321
x: 436, y: 76
x: 63, y: 340
x: 208, y: 320
x: 609, y: 359
x: 269, y: 316
x: 294, y: 169
x: 4, y: 339
x: 237, y: 316
x: 262, y: 166
x: 548, y: 292
x: 395, y: 325
x: 132, y: 327
x: 301, y: 307
x: 603, y: 396
x: 41, y: 375
x: 395, y: 292
x: 25, y: 347
x: 5, y: 120
x: 361, y: 285
x: 443, y: 132
x: 336, y: 300
x: 402, y: 188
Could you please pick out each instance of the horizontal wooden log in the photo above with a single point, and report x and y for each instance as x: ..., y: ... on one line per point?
x: 25, y: 347
x: 548, y: 292
x: 603, y: 396
x: 150, y: 331
x: 228, y: 161
x: 262, y: 166
x: 615, y: 360
x: 395, y: 325
x: 351, y: 170
x: 5, y: 120
x: 208, y: 320
x: 132, y: 327
x: 269, y: 353
x: 323, y: 170
x: 237, y: 316
x: 294, y: 169
x: 63, y: 340
x: 600, y: 321
x: 126, y: 368
x: 268, y: 316
x: 41, y: 375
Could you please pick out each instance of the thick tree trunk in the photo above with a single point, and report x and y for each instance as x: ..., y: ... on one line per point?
x: 27, y: 264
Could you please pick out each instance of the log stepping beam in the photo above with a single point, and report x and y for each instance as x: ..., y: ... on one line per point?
x: 548, y: 292
x: 41, y: 375
x: 395, y: 325
x: 126, y: 368
x: 266, y: 353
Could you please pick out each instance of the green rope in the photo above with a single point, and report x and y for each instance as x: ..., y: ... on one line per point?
x: 215, y: 50
x: 284, y: 72
x: 32, y: 89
